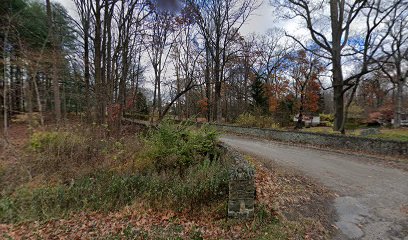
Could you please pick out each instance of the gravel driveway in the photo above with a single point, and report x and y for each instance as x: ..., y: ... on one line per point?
x: 373, y: 199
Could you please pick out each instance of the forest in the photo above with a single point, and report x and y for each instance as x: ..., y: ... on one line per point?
x: 188, y: 59
x: 112, y: 106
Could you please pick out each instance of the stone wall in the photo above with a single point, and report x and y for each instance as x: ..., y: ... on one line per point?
x: 358, y: 144
x: 241, y: 196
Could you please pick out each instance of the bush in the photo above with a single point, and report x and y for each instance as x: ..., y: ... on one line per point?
x: 249, y: 120
x: 326, y: 117
x: 69, y: 154
x: 178, y: 147
x: 54, y: 157
x: 55, y: 153
x: 65, y: 145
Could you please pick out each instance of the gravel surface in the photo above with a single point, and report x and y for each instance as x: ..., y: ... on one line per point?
x: 372, y: 200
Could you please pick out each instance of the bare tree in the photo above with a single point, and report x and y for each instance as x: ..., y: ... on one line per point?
x: 334, y: 40
x: 271, y: 54
x: 219, y: 22
x: 396, y: 56
x: 159, y: 45
x: 84, y: 28
x: 186, y: 56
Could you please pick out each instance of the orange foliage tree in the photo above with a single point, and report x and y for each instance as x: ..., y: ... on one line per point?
x: 304, y: 71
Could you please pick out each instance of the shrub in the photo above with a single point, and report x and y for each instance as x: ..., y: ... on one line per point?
x: 63, y: 151
x: 326, y: 117
x: 179, y: 146
x: 249, y: 120
x: 383, y: 115
x: 64, y: 145
x: 246, y: 120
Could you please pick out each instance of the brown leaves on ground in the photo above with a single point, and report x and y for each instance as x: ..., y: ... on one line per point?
x: 298, y: 201
x: 131, y: 223
x: 17, y: 138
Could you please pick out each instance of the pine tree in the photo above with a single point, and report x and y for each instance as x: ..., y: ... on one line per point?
x: 260, y: 100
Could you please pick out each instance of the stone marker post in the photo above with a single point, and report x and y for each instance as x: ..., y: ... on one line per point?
x: 241, y: 198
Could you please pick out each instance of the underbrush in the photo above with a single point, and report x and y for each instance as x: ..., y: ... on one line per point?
x: 109, y: 191
x: 177, y: 147
x: 60, y: 156
x: 250, y: 120
x: 175, y: 167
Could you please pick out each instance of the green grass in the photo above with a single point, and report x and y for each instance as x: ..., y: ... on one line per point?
x: 385, y: 133
x: 392, y: 134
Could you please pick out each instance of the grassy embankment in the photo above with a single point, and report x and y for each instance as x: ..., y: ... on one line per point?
x: 267, y: 122
x: 400, y: 134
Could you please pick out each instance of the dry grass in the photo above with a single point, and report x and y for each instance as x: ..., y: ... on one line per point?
x: 51, y: 156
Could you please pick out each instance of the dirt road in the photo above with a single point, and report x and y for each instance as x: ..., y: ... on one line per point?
x: 373, y: 199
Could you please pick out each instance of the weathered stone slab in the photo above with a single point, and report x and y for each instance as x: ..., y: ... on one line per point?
x: 241, y: 197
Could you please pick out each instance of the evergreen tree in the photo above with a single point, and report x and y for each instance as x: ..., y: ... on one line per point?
x: 260, y: 100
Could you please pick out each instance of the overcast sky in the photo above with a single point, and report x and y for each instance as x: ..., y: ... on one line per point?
x: 259, y: 22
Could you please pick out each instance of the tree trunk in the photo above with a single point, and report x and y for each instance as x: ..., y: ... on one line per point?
x: 217, y: 100
x: 338, y: 94
x: 398, y: 104
x: 28, y: 95
x: 55, y: 82
x: 98, y: 66
x: 154, y: 100
x: 208, y: 84
x: 56, y: 90
x: 299, y: 124
x: 64, y: 103
x: 338, y: 98
x: 346, y: 110
x: 37, y: 93
x: 159, y: 97
x: 218, y: 84
x: 87, y: 73
x: 6, y: 80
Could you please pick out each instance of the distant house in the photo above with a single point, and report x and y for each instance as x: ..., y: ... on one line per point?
x: 404, y: 119
x: 308, y: 120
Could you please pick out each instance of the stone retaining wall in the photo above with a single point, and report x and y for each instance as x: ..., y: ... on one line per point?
x: 357, y: 144
x: 241, y: 196
x: 368, y: 145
